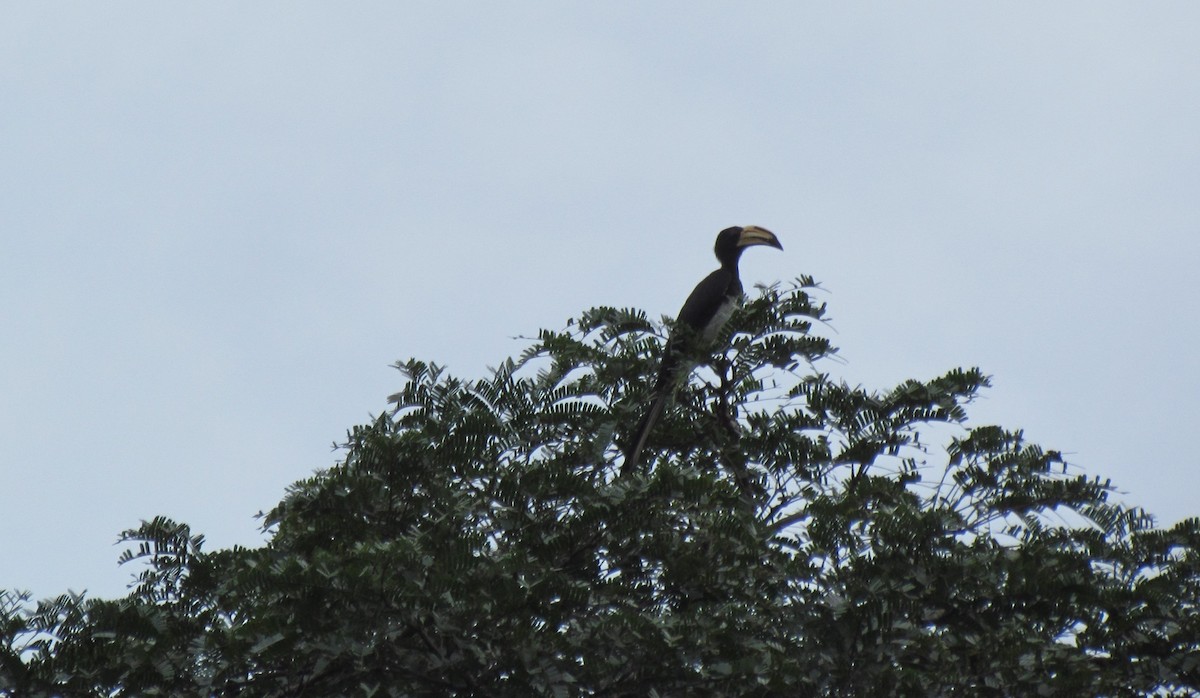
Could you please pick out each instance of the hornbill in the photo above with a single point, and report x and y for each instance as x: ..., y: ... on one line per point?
x: 703, y: 315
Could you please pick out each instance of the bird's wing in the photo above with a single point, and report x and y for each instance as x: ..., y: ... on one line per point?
x: 702, y: 314
x: 703, y: 304
x: 705, y: 310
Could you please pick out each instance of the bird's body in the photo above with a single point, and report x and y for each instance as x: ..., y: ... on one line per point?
x: 700, y: 320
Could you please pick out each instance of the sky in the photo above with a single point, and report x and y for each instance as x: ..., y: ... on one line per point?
x: 221, y: 223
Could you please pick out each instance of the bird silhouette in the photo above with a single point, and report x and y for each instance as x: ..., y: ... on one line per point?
x: 701, y: 318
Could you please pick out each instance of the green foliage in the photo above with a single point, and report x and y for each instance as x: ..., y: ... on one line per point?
x: 786, y: 534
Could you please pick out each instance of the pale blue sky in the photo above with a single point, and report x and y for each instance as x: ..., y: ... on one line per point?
x: 221, y: 222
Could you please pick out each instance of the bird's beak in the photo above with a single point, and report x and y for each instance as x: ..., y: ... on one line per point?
x: 754, y: 235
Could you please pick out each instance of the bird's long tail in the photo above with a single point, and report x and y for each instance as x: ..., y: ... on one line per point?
x: 643, y: 431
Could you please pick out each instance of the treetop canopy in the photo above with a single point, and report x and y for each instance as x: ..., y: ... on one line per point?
x: 784, y: 534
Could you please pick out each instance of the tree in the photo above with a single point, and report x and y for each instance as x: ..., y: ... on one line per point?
x: 786, y: 534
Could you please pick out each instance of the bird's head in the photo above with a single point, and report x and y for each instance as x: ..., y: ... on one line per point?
x: 731, y: 241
